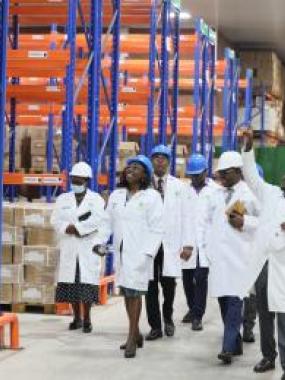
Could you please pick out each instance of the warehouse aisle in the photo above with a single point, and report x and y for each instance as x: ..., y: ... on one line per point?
x: 52, y: 353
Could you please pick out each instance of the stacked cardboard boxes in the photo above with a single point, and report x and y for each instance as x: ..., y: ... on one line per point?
x: 30, y: 259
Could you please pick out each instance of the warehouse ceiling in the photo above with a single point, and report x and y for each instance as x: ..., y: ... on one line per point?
x: 249, y: 23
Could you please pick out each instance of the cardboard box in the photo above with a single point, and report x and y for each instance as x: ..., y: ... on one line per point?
x: 12, y: 235
x: 39, y: 163
x: 6, y: 293
x: 40, y: 275
x: 181, y: 151
x: 34, y: 294
x: 41, y: 236
x: 267, y: 69
x: 7, y: 254
x: 33, y: 214
x: 18, y: 162
x: 180, y: 167
x: 40, y: 255
x: 39, y: 148
x: 128, y: 149
x: 12, y: 274
x: 8, y: 214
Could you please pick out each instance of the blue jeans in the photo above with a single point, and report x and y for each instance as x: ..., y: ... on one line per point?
x: 231, y: 311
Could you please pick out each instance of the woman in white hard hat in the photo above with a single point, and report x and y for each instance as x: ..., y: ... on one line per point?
x: 76, y: 219
x: 135, y: 218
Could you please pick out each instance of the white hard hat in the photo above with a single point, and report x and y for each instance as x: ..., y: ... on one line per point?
x: 81, y: 169
x: 229, y: 160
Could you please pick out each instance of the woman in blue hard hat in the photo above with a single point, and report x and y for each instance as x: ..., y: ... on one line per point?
x: 134, y: 216
x: 76, y: 219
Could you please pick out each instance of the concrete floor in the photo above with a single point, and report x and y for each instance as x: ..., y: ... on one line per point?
x: 53, y: 353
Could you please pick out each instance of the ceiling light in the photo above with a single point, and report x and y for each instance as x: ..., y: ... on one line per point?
x: 182, y: 15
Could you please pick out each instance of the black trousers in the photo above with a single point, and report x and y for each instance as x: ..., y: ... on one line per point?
x: 266, y: 318
x: 168, y: 285
x: 195, y: 283
x: 231, y: 311
x: 249, y: 313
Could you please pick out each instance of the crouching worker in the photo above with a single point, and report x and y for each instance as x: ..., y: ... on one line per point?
x: 76, y: 219
x: 134, y: 215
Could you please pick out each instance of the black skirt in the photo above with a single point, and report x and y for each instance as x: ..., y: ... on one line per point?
x: 77, y: 291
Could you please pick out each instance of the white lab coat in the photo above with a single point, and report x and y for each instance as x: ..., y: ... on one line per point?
x: 137, y: 225
x: 192, y: 211
x: 228, y: 249
x: 270, y: 239
x: 74, y: 248
x: 173, y: 222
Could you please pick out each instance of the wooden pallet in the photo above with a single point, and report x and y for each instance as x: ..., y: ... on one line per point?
x: 28, y: 308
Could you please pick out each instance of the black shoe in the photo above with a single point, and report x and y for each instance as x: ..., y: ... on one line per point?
x: 169, y: 328
x: 283, y: 376
x: 248, y: 336
x: 140, y: 342
x: 75, y: 324
x: 188, y: 318
x: 226, y: 357
x: 153, y: 335
x: 264, y: 365
x: 87, y: 327
x: 239, y: 351
x: 131, y: 351
x: 197, y: 325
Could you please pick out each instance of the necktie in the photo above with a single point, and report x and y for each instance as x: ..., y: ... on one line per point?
x: 160, y: 187
x: 229, y: 194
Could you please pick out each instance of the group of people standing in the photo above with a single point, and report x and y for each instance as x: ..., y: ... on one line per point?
x: 223, y: 231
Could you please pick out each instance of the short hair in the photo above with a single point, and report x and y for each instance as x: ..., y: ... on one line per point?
x: 144, y: 183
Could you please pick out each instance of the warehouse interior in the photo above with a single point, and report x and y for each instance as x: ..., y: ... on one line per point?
x: 102, y: 81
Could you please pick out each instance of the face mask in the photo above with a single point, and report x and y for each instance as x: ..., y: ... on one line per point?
x: 78, y: 189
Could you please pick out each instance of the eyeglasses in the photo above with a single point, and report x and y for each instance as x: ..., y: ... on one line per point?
x: 224, y: 173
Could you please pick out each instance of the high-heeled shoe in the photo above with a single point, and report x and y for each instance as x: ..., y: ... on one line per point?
x: 131, y: 351
x: 75, y: 324
x: 87, y: 327
x: 140, y: 343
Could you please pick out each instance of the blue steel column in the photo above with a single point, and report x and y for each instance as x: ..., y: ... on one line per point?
x: 115, y: 94
x: 235, y: 95
x: 248, y: 98
x: 49, y: 152
x: 4, y: 14
x: 94, y: 89
x: 212, y: 70
x: 162, y: 137
x: 12, y: 125
x: 151, y: 78
x: 71, y: 34
x: 175, y: 89
x: 227, y: 100
x: 204, y: 97
x: 197, y: 102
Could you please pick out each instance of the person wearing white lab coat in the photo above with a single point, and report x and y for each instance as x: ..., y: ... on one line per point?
x: 76, y: 219
x: 195, y: 271
x: 228, y: 245
x: 270, y: 254
x: 134, y: 216
x: 167, y: 265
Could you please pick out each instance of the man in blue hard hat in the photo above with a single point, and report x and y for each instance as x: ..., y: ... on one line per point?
x: 167, y: 265
x: 195, y: 271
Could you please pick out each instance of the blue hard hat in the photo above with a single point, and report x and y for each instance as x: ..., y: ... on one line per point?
x: 260, y: 170
x: 196, y: 164
x: 144, y: 161
x: 161, y: 149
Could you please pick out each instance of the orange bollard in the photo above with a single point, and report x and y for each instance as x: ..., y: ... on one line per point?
x: 103, y: 294
x: 63, y: 309
x: 11, y: 320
